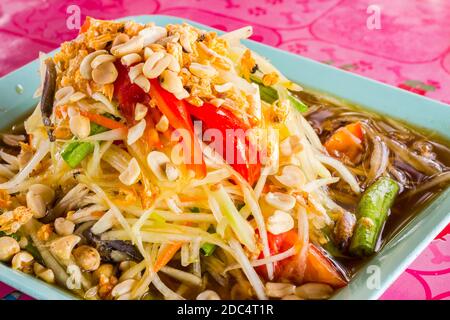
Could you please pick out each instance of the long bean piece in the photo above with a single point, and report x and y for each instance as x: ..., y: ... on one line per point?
x: 372, y: 212
x: 270, y: 95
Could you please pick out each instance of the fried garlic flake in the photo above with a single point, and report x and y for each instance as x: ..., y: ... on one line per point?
x: 11, y: 221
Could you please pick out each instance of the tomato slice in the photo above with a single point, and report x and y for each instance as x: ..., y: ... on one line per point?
x: 128, y: 93
x: 346, y: 141
x: 319, y: 268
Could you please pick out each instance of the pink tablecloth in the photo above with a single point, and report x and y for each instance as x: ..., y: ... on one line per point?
x: 411, y: 50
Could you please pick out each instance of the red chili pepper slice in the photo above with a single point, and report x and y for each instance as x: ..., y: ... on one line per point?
x: 176, y: 112
x: 129, y: 94
x: 242, y: 155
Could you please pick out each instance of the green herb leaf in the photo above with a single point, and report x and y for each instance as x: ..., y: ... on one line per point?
x: 15, y: 236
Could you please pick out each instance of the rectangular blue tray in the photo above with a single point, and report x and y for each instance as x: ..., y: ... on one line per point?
x: 420, y: 111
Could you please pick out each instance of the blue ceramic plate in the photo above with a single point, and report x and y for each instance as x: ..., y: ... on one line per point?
x: 383, y: 268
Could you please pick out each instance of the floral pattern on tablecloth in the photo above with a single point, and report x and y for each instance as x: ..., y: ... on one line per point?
x: 410, y: 51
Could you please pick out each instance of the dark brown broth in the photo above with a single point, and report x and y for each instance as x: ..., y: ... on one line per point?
x: 324, y: 116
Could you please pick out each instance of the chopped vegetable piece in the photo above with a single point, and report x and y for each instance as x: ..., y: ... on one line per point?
x: 96, y: 128
x: 102, y: 120
x: 296, y: 103
x: 346, y: 141
x: 331, y: 245
x: 167, y: 255
x: 151, y: 134
x: 75, y: 152
x: 86, y: 25
x: 343, y: 229
x: 208, y: 249
x: 270, y: 95
x: 127, y: 93
x: 169, y: 251
x: 320, y: 268
x: 372, y: 212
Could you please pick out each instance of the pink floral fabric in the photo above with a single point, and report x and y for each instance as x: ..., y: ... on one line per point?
x: 411, y: 50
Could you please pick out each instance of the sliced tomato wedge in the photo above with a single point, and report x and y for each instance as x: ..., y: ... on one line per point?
x: 346, y: 141
x: 319, y: 268
x: 278, y: 244
x: 128, y: 93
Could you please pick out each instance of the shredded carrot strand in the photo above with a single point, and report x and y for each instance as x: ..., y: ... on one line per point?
x: 103, y: 121
x: 86, y: 25
x: 167, y: 255
x: 192, y: 198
